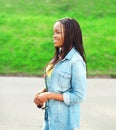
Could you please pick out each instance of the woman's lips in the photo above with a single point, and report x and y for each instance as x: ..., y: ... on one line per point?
x: 55, y: 41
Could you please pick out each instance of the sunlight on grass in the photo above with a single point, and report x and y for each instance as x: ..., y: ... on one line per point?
x: 26, y: 29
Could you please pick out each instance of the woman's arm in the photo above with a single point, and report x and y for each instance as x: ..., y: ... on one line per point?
x: 44, y: 97
x: 43, y: 90
x: 55, y: 96
x: 78, y: 84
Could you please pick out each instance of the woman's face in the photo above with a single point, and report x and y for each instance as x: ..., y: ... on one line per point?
x: 58, y: 37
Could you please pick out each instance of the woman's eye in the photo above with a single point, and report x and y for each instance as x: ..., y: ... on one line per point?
x: 58, y: 32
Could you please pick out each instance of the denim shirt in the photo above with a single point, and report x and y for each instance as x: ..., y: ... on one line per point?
x: 68, y: 78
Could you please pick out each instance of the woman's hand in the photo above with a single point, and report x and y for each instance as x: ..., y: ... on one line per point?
x: 36, y: 97
x: 41, y: 98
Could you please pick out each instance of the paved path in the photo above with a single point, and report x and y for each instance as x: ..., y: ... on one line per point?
x: 18, y: 112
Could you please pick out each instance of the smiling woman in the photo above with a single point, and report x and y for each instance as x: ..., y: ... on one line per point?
x: 65, y: 79
x: 58, y: 36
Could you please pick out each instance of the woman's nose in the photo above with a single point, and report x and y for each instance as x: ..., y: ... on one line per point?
x: 54, y: 35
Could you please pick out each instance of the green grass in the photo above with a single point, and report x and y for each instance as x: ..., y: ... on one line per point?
x: 26, y: 34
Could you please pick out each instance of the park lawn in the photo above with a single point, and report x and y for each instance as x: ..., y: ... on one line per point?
x: 26, y: 35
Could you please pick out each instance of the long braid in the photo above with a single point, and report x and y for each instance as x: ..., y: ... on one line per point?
x: 72, y: 38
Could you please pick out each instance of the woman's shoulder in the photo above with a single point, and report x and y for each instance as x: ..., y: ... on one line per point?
x: 76, y: 57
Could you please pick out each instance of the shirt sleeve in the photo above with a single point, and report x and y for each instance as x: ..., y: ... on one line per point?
x: 78, y: 84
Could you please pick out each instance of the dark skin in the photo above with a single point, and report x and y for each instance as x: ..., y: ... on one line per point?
x: 43, y: 96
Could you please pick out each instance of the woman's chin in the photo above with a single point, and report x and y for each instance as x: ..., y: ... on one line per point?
x: 56, y: 45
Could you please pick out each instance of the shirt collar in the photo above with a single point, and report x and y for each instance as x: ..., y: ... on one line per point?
x: 70, y: 54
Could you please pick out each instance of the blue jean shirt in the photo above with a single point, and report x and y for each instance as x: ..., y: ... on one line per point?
x: 68, y: 78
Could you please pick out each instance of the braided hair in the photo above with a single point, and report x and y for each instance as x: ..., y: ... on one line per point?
x: 72, y: 38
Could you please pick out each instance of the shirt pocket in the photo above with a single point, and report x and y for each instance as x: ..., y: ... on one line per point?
x: 64, y: 80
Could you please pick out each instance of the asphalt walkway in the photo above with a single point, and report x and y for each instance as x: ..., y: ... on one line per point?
x: 18, y: 112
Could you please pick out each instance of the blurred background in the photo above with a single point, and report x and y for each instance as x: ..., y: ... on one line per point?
x: 26, y: 46
x: 26, y: 30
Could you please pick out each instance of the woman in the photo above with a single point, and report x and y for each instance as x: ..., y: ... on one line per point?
x: 65, y: 78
